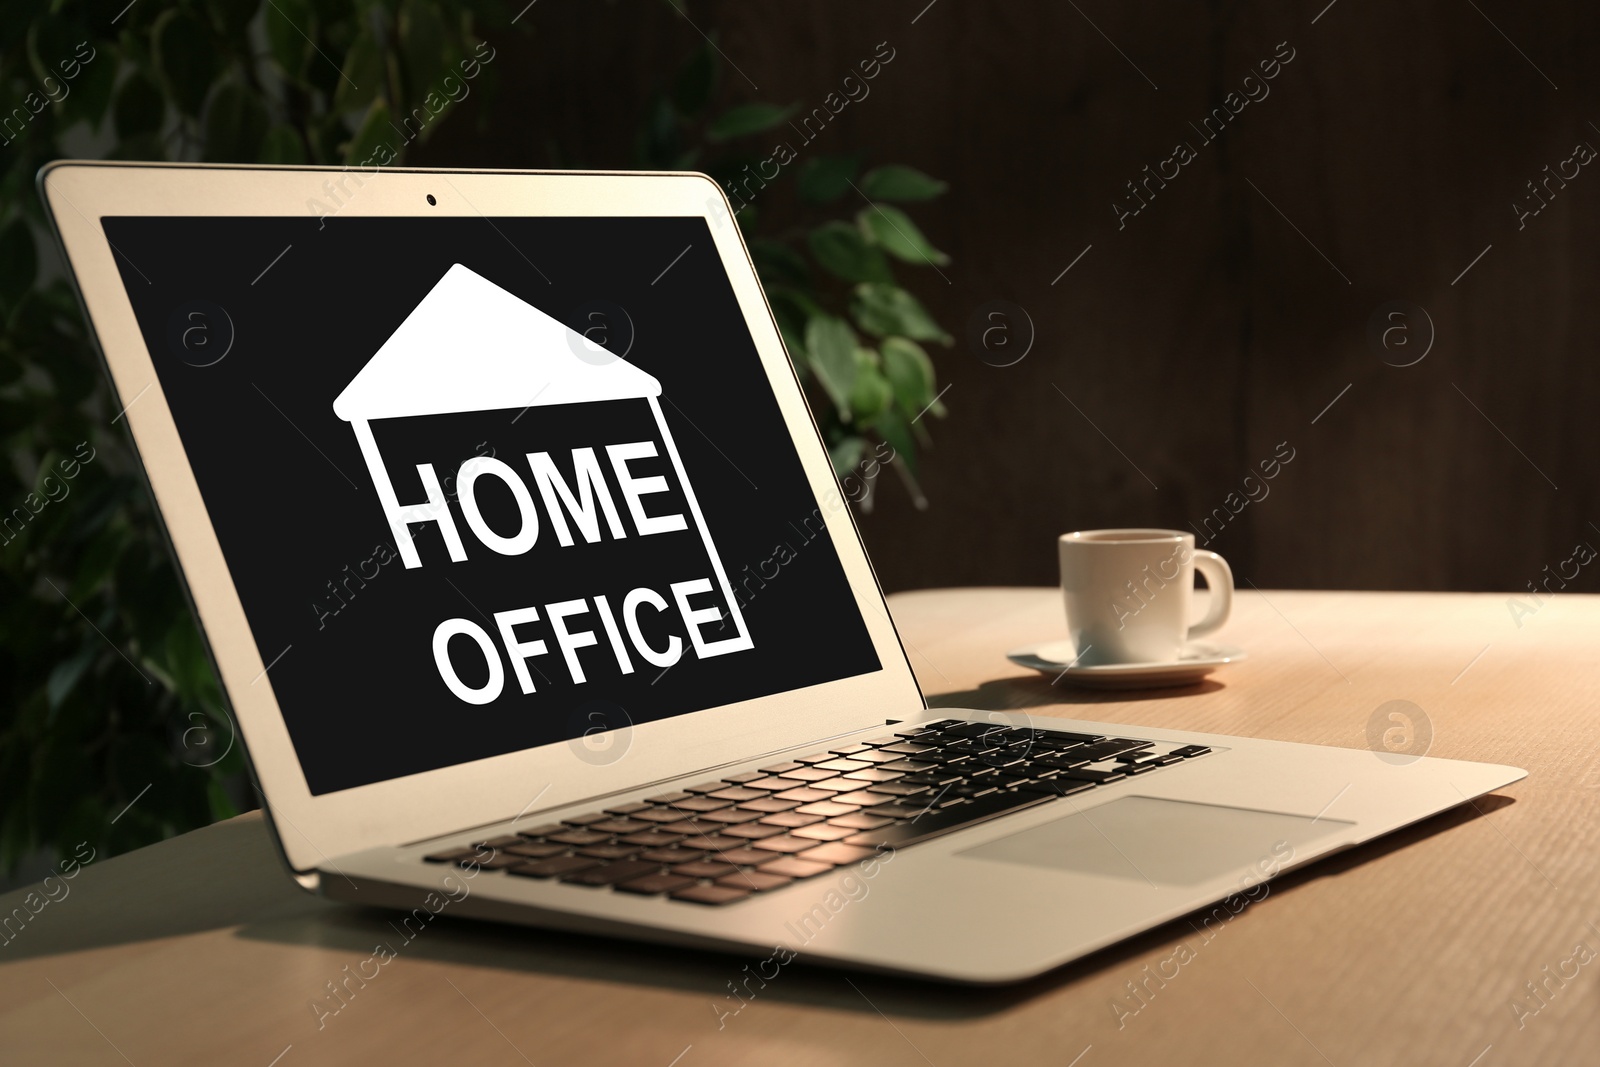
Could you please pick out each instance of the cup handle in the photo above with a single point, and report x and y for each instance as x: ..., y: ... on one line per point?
x: 1219, y: 581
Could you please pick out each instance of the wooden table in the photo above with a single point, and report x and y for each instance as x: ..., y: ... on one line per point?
x: 1412, y: 950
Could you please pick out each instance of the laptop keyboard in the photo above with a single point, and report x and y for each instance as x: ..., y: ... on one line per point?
x: 721, y: 841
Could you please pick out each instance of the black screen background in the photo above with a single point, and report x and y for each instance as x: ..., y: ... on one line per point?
x: 289, y: 495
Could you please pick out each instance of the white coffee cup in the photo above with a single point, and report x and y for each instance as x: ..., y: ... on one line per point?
x: 1128, y: 593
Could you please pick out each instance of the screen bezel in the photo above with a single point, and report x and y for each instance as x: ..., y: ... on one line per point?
x: 313, y: 830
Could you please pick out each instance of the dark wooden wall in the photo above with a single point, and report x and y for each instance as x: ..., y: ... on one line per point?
x: 1224, y: 317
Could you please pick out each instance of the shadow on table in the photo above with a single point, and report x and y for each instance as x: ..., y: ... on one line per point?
x: 1037, y: 691
x: 620, y: 963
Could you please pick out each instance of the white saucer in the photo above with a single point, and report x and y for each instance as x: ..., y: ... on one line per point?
x: 1195, y: 660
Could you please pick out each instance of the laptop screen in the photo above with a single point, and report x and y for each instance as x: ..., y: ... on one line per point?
x: 488, y: 484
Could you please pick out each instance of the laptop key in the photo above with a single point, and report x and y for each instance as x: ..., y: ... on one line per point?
x: 612, y: 873
x: 669, y: 856
x: 780, y: 768
x: 838, y: 854
x: 586, y: 819
x: 529, y: 850
x: 826, y: 809
x: 704, y: 869
x: 936, y: 823
x: 877, y: 756
x: 1060, y: 737
x: 653, y: 884
x: 618, y: 826
x: 824, y: 832
x: 711, y: 844
x: 901, y: 788
x: 907, y: 765
x: 710, y: 894
x: 859, y: 821
x: 705, y: 787
x: 774, y: 785
x: 909, y: 748
x: 811, y: 774
x: 646, y: 839
x: 1188, y: 751
x: 756, y: 881
x: 627, y: 809
x: 793, y: 818
x: 706, y: 803
x: 874, y: 774
x: 1085, y: 774
x: 768, y: 805
x: 839, y: 785
x: 839, y: 766
x: 804, y: 795
x: 744, y: 857
x: 794, y: 867
x: 737, y: 793
x: 657, y: 815
x: 785, y: 844
x: 731, y: 816
x: 609, y: 852
x: 669, y: 798
x: 540, y: 831
x: 753, y: 831
x: 1056, y: 787
x: 553, y: 868
x: 740, y: 779
x: 846, y: 750
x: 580, y: 837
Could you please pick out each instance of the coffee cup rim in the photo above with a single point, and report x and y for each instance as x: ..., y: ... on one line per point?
x: 1130, y: 535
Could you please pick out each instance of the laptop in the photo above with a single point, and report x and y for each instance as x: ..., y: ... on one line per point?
x: 536, y: 599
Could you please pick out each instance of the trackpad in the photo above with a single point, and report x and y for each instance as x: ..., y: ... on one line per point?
x: 1163, y: 842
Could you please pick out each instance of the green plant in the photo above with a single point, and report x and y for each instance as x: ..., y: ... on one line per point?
x: 854, y: 335
x: 113, y: 730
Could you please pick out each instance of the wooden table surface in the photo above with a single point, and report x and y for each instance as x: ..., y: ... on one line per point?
x: 1417, y: 949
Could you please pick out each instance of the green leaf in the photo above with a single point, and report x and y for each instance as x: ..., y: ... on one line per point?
x: 186, y: 58
x: 92, y: 88
x: 745, y: 119
x: 823, y: 179
x: 422, y: 45
x: 363, y: 75
x: 235, y: 124
x: 910, y: 371
x: 692, y: 89
x: 872, y: 393
x: 18, y: 260
x: 898, y: 235
x: 282, y: 145
x: 896, y: 182
x: 846, y: 453
x: 233, y: 18
x: 884, y: 310
x: 831, y: 351
x: 289, y: 24
x: 845, y: 254
x: 374, y: 134
x: 893, y: 428
x: 51, y: 40
x: 65, y: 674
x: 140, y: 108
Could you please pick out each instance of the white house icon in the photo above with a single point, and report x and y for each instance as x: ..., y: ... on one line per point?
x: 470, y: 345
